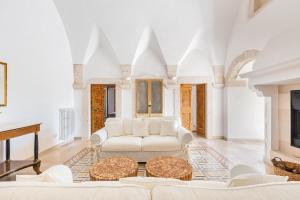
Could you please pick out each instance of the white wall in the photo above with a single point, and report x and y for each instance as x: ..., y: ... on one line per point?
x: 35, y: 46
x: 245, y: 114
x: 150, y: 64
x: 277, y: 17
x: 195, y: 64
x: 102, y: 65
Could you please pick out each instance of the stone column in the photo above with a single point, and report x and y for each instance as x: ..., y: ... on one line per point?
x: 78, y: 86
x: 126, y: 70
x: 218, y: 102
x: 171, y: 83
x: 78, y: 76
x: 125, y: 87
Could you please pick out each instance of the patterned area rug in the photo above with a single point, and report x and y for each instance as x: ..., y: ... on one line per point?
x: 207, y: 164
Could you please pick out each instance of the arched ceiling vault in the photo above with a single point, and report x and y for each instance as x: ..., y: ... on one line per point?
x: 177, y: 27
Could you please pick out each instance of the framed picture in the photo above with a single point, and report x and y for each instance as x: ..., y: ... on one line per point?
x: 3, y: 84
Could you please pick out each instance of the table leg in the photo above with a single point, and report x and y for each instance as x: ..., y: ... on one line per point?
x: 36, y: 146
x: 36, y: 166
x: 7, y: 146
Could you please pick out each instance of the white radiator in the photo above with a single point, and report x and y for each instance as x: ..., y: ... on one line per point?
x: 66, y: 123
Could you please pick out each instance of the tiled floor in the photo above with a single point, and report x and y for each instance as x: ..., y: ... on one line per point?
x: 238, y: 152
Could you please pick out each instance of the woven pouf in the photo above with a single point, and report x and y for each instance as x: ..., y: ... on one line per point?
x: 114, y: 168
x: 169, y: 167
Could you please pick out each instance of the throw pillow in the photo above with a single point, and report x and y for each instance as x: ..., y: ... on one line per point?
x: 169, y: 128
x: 151, y: 182
x: 140, y: 128
x: 255, y: 179
x: 127, y: 126
x: 114, y: 128
x: 154, y: 126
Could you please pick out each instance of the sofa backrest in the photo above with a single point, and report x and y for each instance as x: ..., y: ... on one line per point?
x: 286, y: 191
x: 74, y: 191
x: 153, y: 123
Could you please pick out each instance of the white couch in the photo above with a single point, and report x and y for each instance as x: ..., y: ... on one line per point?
x: 142, y: 144
x: 56, y: 183
x: 119, y: 191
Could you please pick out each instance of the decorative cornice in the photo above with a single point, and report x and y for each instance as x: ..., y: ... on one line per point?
x: 125, y: 84
x: 219, y: 76
x: 172, y: 71
x: 126, y: 70
x: 170, y: 84
x: 78, y: 76
x: 219, y: 85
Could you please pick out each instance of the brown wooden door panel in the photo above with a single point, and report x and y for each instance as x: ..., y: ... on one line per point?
x: 97, y: 107
x: 201, y: 110
x: 186, y: 106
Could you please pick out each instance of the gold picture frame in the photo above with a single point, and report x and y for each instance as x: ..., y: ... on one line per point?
x: 3, y: 84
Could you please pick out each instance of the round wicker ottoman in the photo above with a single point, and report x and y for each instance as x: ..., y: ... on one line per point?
x: 169, y: 167
x: 112, y: 169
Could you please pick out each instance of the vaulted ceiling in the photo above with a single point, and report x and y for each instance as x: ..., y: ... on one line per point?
x: 126, y: 28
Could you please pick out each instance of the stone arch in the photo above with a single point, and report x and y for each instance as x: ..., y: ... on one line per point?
x: 236, y: 66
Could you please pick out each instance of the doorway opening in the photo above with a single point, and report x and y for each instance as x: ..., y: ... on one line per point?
x: 103, y: 105
x: 193, y: 107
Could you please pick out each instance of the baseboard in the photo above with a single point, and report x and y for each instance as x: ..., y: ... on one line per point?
x: 242, y: 140
x: 215, y: 138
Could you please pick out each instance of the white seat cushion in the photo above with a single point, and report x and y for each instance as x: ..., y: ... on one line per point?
x: 123, y: 143
x: 160, y: 143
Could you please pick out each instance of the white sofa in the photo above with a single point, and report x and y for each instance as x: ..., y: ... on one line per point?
x: 141, y: 144
x: 56, y: 183
x: 119, y: 191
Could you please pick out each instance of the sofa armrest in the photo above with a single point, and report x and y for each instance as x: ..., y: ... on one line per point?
x: 242, y: 169
x: 55, y: 174
x: 184, y: 135
x: 99, y: 137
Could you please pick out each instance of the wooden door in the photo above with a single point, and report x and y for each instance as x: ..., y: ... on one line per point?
x: 97, y: 107
x: 186, y: 106
x: 201, y: 110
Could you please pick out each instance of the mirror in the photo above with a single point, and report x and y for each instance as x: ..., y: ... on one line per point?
x: 3, y: 84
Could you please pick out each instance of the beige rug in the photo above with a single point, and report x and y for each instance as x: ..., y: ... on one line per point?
x: 207, y: 164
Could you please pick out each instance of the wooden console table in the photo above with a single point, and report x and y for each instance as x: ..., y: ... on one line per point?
x: 9, y: 131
